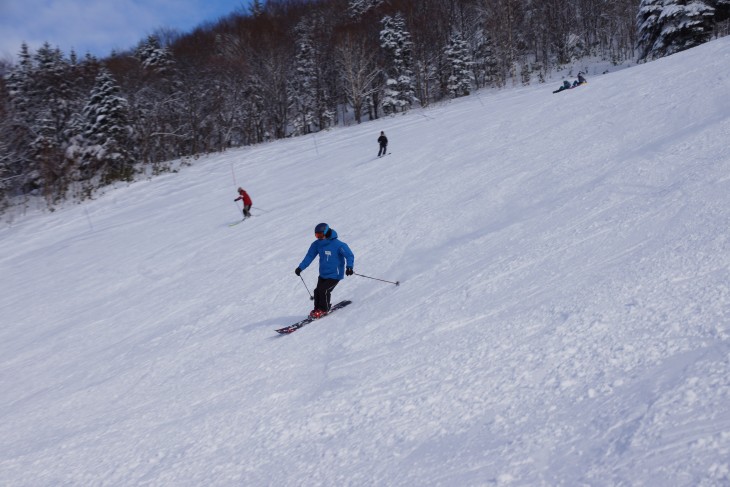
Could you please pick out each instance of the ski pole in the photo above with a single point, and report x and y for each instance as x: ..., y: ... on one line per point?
x: 233, y: 173
x: 397, y: 283
x: 305, y: 287
x: 260, y: 209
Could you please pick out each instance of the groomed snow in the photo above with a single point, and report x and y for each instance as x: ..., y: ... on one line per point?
x: 563, y: 316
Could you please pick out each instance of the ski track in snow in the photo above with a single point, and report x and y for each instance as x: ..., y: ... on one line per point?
x: 563, y: 316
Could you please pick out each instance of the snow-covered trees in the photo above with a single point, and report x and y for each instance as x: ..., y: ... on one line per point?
x: 485, y: 62
x: 19, y: 83
x: 357, y: 8
x: 459, y: 59
x: 669, y: 26
x: 103, y: 146
x: 18, y: 105
x: 396, y: 42
x: 43, y: 93
x: 155, y: 93
x: 309, y: 97
x: 303, y: 85
x: 153, y: 56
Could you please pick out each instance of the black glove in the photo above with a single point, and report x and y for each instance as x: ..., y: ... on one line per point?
x: 297, y: 271
x: 349, y: 271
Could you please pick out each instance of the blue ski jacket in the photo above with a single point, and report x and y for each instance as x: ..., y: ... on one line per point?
x: 334, y: 257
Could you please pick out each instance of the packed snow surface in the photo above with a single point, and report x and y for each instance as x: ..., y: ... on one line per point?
x: 563, y: 316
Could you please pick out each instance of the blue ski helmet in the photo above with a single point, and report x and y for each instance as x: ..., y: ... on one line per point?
x: 321, y: 228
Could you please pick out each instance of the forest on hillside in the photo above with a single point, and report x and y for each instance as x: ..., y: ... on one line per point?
x: 71, y: 124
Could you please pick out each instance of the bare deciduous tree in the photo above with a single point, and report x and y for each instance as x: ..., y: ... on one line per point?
x: 358, y: 70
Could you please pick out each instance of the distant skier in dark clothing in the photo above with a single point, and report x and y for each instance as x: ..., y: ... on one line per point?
x: 243, y: 195
x: 336, y: 260
x: 565, y: 86
x: 383, y: 141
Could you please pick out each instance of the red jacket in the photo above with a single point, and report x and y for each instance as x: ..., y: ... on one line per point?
x: 245, y: 197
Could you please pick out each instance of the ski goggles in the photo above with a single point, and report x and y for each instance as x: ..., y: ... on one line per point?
x: 319, y: 235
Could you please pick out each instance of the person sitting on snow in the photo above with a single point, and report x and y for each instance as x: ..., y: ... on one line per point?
x: 580, y: 81
x: 565, y: 86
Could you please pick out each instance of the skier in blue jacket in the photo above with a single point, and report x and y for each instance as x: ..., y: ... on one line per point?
x: 336, y: 260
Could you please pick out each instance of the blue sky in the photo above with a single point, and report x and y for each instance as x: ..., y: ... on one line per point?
x: 99, y: 26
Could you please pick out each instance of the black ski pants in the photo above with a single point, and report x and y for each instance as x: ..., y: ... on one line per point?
x: 383, y: 149
x: 323, y: 293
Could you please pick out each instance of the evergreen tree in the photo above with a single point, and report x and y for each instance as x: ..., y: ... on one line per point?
x: 20, y: 83
x: 485, y: 65
x: 17, y: 135
x: 669, y: 26
x: 256, y: 9
x: 356, y: 8
x: 10, y: 150
x: 154, y: 57
x: 460, y: 62
x: 395, y: 40
x: 157, y: 104
x: 309, y: 97
x: 648, y: 25
x: 103, y: 148
x: 54, y: 85
x: 303, y: 85
x: 42, y: 99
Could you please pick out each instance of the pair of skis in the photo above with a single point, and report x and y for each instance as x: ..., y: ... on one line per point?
x: 240, y: 221
x: 292, y: 328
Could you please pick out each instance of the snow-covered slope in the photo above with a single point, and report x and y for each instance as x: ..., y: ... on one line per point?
x: 563, y: 316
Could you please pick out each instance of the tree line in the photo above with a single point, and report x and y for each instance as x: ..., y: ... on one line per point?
x: 70, y: 125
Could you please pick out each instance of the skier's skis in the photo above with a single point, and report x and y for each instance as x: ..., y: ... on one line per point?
x: 292, y: 328
x: 240, y: 221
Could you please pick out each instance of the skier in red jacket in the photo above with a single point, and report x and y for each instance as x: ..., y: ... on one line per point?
x: 243, y: 195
